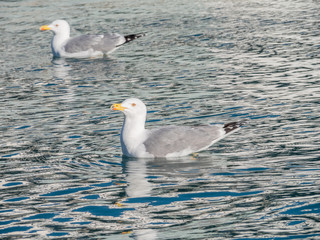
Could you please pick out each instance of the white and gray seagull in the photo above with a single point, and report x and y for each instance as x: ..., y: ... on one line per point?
x: 83, y: 46
x: 165, y: 142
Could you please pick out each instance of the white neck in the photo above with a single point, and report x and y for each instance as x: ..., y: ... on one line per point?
x: 58, y: 41
x: 132, y: 134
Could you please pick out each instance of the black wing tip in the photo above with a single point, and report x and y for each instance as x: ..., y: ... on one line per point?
x: 230, y: 127
x: 132, y: 37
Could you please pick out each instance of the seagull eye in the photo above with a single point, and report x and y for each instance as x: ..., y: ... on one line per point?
x: 57, y: 25
x: 133, y: 104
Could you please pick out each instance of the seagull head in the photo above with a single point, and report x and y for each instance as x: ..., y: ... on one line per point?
x: 57, y: 26
x: 132, y: 107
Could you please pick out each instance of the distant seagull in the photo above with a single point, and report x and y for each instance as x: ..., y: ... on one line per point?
x: 83, y: 46
x: 165, y: 142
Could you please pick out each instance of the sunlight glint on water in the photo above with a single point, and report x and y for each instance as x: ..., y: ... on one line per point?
x: 208, y: 62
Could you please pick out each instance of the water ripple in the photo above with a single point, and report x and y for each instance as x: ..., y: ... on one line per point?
x: 62, y: 174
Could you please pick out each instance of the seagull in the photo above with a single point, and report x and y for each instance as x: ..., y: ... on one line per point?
x: 168, y: 141
x: 84, y: 46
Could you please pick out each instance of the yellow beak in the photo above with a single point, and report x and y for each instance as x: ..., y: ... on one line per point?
x: 45, y: 27
x: 118, y: 107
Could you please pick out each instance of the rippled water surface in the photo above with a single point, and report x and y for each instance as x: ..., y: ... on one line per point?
x: 201, y: 62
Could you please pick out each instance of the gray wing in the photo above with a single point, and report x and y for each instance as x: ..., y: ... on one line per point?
x: 104, y: 43
x: 172, y: 139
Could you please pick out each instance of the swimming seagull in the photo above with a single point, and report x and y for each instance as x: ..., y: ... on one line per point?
x: 84, y: 46
x: 165, y: 142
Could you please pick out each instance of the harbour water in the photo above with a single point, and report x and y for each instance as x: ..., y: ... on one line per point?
x: 201, y: 62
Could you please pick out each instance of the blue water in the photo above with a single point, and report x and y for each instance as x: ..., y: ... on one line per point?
x: 205, y: 62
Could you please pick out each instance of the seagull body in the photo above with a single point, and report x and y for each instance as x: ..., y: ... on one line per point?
x: 164, y: 142
x: 83, y: 46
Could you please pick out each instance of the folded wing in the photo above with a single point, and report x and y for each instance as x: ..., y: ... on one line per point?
x: 175, y: 139
x: 104, y: 43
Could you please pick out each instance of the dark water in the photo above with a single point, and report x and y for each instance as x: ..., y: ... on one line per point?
x: 62, y: 173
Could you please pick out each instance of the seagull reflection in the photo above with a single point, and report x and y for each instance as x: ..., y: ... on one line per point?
x: 139, y: 186
x: 140, y: 172
x: 61, y: 68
